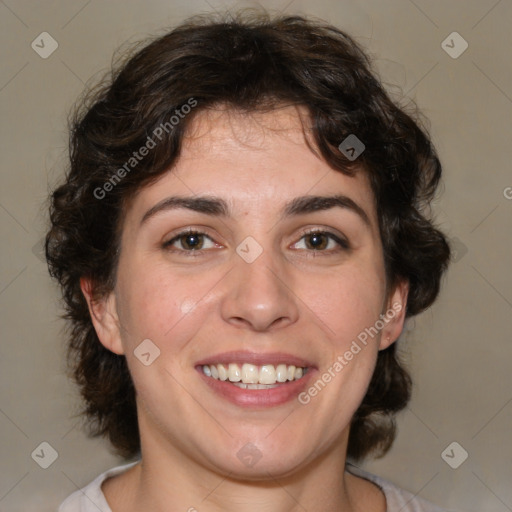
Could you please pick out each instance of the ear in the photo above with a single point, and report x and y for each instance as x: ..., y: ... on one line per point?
x: 104, y: 317
x: 394, y: 315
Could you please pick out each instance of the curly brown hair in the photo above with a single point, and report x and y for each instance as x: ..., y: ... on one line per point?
x: 249, y: 62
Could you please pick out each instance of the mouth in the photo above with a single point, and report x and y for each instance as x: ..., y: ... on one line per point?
x: 250, y: 376
x: 250, y: 379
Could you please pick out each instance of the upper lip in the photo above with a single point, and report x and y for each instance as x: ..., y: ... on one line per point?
x: 255, y: 358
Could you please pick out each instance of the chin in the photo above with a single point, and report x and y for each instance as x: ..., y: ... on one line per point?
x: 261, y: 460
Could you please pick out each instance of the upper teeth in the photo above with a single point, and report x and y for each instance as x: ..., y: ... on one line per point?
x: 251, y: 374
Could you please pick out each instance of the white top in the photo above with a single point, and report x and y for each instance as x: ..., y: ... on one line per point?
x: 92, y: 499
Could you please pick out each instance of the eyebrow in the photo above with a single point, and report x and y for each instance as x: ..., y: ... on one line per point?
x: 218, y: 207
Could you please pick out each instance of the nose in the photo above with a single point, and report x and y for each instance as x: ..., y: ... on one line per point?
x: 259, y: 295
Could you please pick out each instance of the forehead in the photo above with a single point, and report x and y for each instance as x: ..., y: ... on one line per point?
x: 227, y: 129
x: 258, y: 161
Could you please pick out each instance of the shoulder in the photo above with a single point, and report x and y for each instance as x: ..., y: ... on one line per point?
x: 397, y: 499
x: 91, y: 498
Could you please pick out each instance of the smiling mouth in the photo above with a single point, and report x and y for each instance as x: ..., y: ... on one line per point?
x: 249, y: 376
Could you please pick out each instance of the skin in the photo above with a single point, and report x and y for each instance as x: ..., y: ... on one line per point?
x: 293, y: 298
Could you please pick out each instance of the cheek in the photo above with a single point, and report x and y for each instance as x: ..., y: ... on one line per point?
x: 347, y: 302
x: 165, y: 306
x: 150, y: 303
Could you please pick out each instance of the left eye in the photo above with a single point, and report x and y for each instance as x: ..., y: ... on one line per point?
x: 321, y: 241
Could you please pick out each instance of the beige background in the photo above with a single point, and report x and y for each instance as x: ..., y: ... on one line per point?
x: 460, y: 351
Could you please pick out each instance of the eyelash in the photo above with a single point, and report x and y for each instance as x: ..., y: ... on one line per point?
x: 343, y: 245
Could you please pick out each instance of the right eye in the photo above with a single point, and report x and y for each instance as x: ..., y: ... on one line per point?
x: 189, y: 241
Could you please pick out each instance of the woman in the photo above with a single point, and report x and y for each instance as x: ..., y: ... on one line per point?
x: 239, y: 240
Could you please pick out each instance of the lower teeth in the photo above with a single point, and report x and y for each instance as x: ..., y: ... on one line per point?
x: 254, y: 386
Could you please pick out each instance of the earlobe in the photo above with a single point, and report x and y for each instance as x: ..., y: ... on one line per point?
x: 394, y: 315
x: 104, y: 317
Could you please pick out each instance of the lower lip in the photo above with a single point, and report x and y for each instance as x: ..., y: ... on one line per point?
x: 270, y: 397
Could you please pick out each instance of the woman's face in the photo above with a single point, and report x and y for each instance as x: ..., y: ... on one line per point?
x: 250, y: 289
